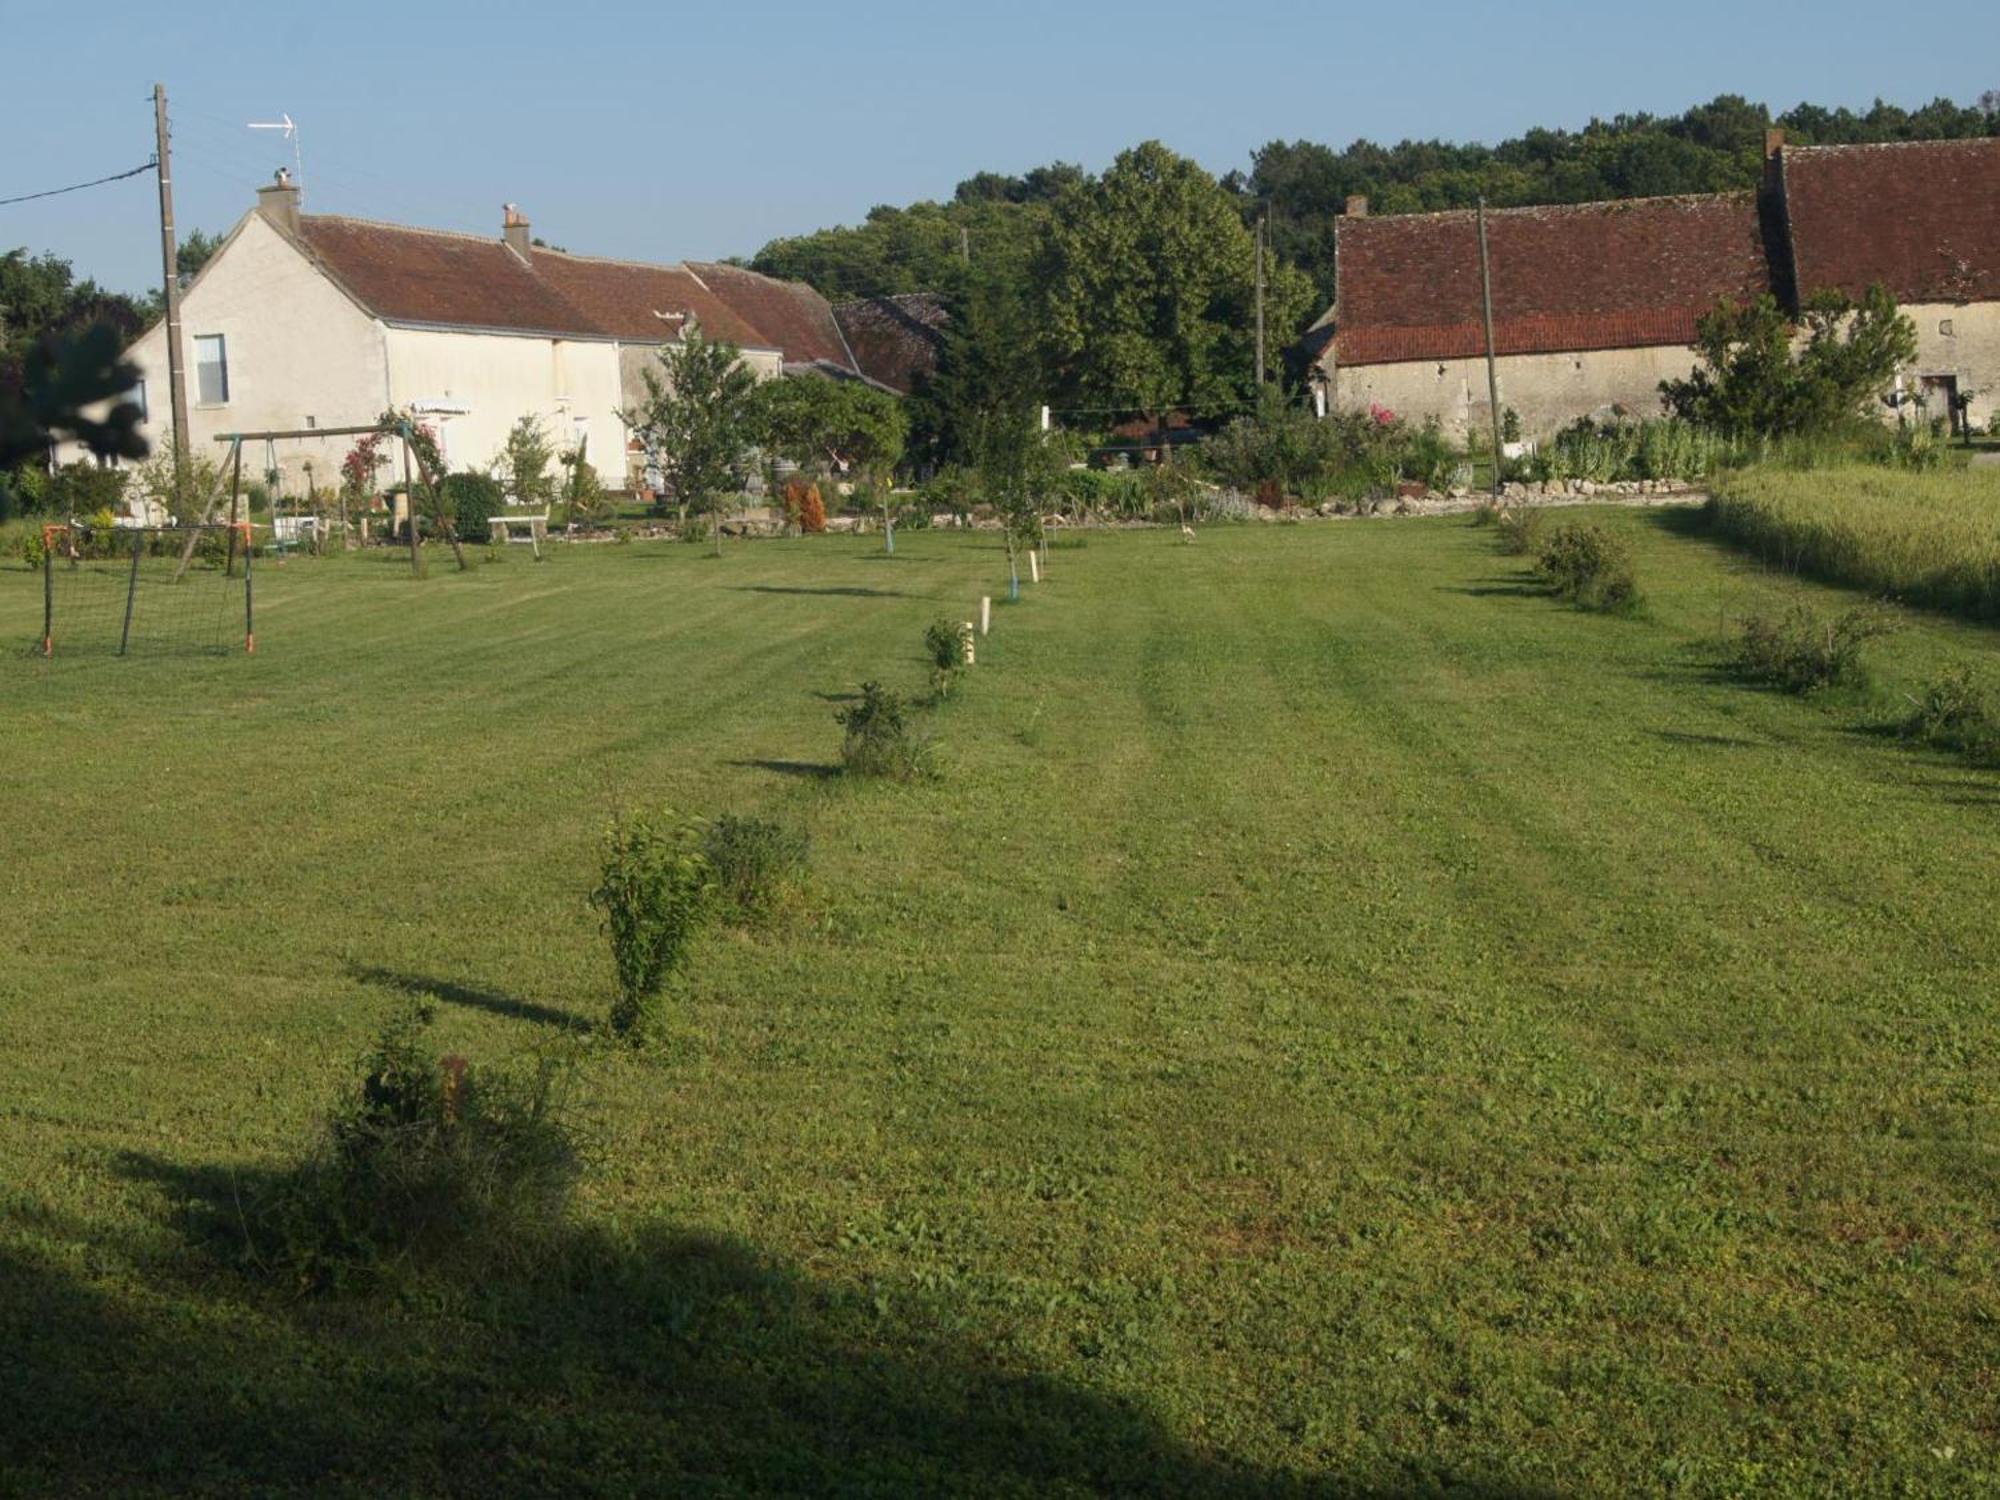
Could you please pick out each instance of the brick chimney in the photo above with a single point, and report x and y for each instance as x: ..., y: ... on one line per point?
x: 279, y: 203
x: 514, y: 230
x: 1357, y: 207
x: 1774, y: 141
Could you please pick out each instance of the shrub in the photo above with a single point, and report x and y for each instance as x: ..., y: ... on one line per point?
x: 1955, y: 713
x: 753, y: 862
x: 1520, y: 529
x: 469, y: 499
x: 944, y: 649
x: 585, y: 500
x: 878, y: 739
x: 653, y: 891
x: 34, y: 550
x: 1588, y: 566
x: 1802, y: 651
x: 84, y: 489
x: 804, y: 507
x: 433, y: 1163
x: 944, y: 643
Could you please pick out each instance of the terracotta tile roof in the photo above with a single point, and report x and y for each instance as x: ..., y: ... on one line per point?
x: 894, y: 339
x: 463, y: 281
x: 1630, y: 274
x: 1921, y: 217
x: 789, y: 314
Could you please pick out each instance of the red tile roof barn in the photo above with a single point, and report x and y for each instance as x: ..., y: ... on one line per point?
x: 790, y: 315
x: 894, y: 339
x: 1920, y: 217
x: 463, y: 281
x: 1630, y: 274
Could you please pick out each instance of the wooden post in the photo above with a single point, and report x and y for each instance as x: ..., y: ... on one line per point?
x: 170, y: 266
x: 965, y: 636
x: 435, y: 484
x: 1034, y: 566
x: 1260, y: 300
x: 235, y: 494
x: 249, y: 613
x: 409, y: 513
x: 985, y: 614
x: 132, y: 590
x: 48, y: 593
x: 1492, y: 364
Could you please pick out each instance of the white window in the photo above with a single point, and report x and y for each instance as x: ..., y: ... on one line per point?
x: 139, y: 400
x: 211, y: 365
x: 579, y: 433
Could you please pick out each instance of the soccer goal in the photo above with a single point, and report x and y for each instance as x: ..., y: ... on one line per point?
x: 157, y: 590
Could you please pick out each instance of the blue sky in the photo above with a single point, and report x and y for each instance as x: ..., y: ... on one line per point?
x: 665, y: 130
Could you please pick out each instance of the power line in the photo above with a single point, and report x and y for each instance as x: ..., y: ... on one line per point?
x: 78, y: 187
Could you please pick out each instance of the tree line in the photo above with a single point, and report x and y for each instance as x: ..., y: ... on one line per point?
x: 996, y: 221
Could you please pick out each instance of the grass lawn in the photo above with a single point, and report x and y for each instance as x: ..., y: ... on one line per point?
x: 1343, y: 1022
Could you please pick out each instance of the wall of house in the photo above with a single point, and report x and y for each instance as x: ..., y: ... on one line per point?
x: 1549, y: 391
x: 299, y: 354
x: 1970, y: 351
x: 571, y: 384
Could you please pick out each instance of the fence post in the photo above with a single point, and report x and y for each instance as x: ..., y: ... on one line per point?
x: 131, y: 590
x: 249, y: 614
x: 48, y: 592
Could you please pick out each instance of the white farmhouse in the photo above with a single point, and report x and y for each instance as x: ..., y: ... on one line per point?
x: 304, y: 321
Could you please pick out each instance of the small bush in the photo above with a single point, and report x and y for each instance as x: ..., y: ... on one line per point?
x: 469, y: 499
x: 1520, y: 530
x: 944, y: 642
x: 1589, y: 566
x: 879, y: 740
x: 1802, y: 651
x: 1956, y: 713
x: 944, y: 649
x: 753, y: 862
x: 434, y: 1163
x: 654, y: 892
x: 804, y: 506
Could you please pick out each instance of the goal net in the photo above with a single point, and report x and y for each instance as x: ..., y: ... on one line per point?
x: 146, y: 590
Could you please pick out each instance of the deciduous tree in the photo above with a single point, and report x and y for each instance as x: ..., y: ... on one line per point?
x: 695, y: 423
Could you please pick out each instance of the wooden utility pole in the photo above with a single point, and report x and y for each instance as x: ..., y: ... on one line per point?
x: 1492, y: 364
x: 170, y: 264
x: 1260, y: 299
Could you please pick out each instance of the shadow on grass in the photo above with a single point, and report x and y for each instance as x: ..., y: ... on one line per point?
x: 810, y: 770
x: 1706, y: 741
x: 494, y: 1002
x: 1519, y: 587
x: 837, y: 592
x: 651, y: 1360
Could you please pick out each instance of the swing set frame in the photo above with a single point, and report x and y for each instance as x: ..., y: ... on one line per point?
x: 402, y: 428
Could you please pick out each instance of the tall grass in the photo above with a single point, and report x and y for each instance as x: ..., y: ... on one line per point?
x: 1927, y: 538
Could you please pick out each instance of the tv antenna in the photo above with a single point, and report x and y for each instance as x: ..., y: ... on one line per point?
x: 291, y: 133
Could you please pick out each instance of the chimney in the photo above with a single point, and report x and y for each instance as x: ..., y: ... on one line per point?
x: 1774, y: 141
x: 1357, y: 207
x: 279, y: 203
x: 514, y: 230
